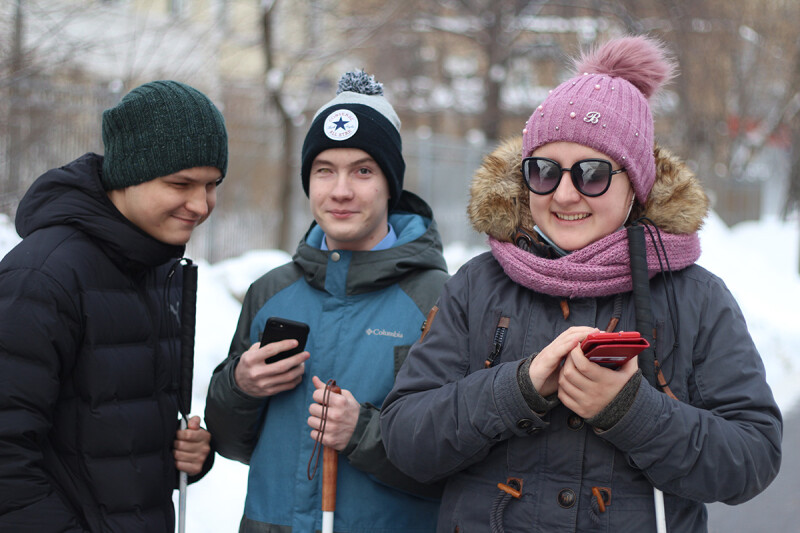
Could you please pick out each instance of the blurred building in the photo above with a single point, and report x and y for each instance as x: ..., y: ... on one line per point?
x: 460, y: 80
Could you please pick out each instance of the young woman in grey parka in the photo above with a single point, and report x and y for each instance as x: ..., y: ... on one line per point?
x: 499, y: 399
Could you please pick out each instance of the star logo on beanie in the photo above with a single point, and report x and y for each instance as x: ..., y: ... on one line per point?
x: 340, y: 125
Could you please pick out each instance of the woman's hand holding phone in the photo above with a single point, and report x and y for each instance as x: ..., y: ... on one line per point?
x: 583, y: 386
x: 546, y: 366
x: 586, y: 387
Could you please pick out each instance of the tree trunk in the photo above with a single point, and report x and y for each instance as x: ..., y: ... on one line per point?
x: 286, y: 178
x: 13, y: 181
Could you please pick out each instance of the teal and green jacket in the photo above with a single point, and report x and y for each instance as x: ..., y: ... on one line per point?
x: 365, y: 310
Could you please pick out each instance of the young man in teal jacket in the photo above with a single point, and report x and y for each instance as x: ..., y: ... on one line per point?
x: 364, y: 278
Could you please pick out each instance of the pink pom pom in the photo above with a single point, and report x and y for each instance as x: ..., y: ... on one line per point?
x: 640, y: 60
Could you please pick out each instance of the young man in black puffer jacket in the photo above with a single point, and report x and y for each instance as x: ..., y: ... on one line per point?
x: 90, y: 322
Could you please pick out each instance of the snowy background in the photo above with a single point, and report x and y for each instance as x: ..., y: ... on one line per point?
x: 757, y: 260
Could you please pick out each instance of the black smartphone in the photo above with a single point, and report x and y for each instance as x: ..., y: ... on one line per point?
x: 278, y: 329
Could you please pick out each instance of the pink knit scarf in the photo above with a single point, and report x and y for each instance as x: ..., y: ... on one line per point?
x: 599, y: 269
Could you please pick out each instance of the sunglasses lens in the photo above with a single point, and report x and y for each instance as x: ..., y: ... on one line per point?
x: 542, y: 175
x: 593, y: 177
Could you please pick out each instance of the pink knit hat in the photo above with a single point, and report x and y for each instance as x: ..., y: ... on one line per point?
x: 605, y: 107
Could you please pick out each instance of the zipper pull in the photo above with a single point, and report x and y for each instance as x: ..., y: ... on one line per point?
x: 499, y: 340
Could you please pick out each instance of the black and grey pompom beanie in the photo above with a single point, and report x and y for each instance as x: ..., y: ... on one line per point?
x: 160, y: 128
x: 358, y: 117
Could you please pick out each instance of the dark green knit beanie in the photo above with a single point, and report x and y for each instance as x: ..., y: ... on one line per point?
x: 160, y: 128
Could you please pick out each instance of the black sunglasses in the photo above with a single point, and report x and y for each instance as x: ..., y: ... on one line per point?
x: 591, y: 177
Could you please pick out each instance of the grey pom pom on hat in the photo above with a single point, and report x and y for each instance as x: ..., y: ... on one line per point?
x: 358, y: 87
x: 365, y: 120
x: 160, y: 128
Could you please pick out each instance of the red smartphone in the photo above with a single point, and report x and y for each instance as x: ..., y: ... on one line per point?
x: 278, y: 329
x: 613, y: 349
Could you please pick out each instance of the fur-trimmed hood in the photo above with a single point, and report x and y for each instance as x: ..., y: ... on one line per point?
x: 499, y: 205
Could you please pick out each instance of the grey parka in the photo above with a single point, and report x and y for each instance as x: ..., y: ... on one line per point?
x: 448, y: 417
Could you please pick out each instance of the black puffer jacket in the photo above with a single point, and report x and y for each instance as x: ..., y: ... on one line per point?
x: 89, y: 364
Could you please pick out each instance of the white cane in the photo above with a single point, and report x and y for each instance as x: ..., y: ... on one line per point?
x: 182, y: 482
x: 661, y: 519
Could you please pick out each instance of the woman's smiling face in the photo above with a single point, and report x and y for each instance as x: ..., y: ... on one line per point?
x: 570, y: 219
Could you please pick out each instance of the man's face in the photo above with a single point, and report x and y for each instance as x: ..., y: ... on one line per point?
x: 168, y: 208
x: 349, y: 198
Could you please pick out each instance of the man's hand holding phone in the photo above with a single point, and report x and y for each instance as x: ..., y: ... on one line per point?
x: 274, y: 366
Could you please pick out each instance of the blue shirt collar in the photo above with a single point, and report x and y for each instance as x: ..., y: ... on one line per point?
x: 386, y: 243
